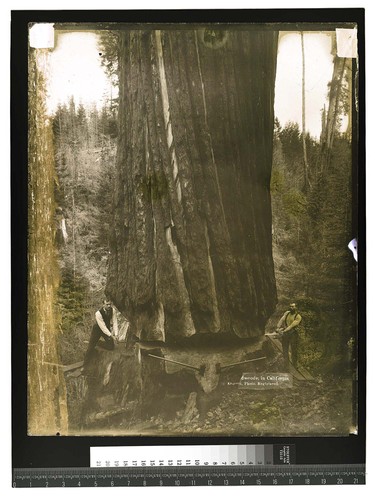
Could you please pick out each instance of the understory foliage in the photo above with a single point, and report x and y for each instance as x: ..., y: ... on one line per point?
x: 84, y: 156
x: 311, y: 231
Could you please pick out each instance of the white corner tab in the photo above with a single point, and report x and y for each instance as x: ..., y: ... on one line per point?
x: 42, y: 36
x: 353, y: 246
x: 347, y: 42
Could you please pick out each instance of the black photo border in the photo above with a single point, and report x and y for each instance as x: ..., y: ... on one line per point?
x: 69, y: 451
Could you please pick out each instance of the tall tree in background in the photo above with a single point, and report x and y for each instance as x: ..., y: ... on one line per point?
x: 331, y: 264
x: 305, y: 161
x: 335, y: 102
x: 109, y: 57
x: 191, y: 249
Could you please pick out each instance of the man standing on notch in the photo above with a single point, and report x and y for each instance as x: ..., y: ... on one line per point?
x: 105, y: 320
x: 288, y: 327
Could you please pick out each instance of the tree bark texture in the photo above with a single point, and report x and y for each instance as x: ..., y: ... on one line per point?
x: 191, y: 250
x: 47, y: 408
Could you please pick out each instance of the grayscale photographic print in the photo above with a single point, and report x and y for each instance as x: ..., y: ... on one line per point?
x: 191, y: 246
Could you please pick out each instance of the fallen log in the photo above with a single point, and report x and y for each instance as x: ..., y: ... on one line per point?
x: 113, y: 412
x: 74, y: 366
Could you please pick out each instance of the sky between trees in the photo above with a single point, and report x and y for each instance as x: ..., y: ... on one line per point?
x: 75, y: 70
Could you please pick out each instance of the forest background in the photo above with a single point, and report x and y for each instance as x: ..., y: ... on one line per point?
x: 311, y: 188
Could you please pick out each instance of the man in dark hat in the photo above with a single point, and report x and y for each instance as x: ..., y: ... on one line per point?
x: 101, y: 331
x: 288, y: 327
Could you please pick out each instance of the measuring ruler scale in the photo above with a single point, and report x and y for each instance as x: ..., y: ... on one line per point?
x: 187, y: 456
x: 224, y: 465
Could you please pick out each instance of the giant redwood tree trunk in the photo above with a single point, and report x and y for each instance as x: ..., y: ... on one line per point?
x: 191, y: 241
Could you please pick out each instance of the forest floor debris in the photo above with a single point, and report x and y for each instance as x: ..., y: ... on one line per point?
x: 323, y: 407
x: 308, y: 408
